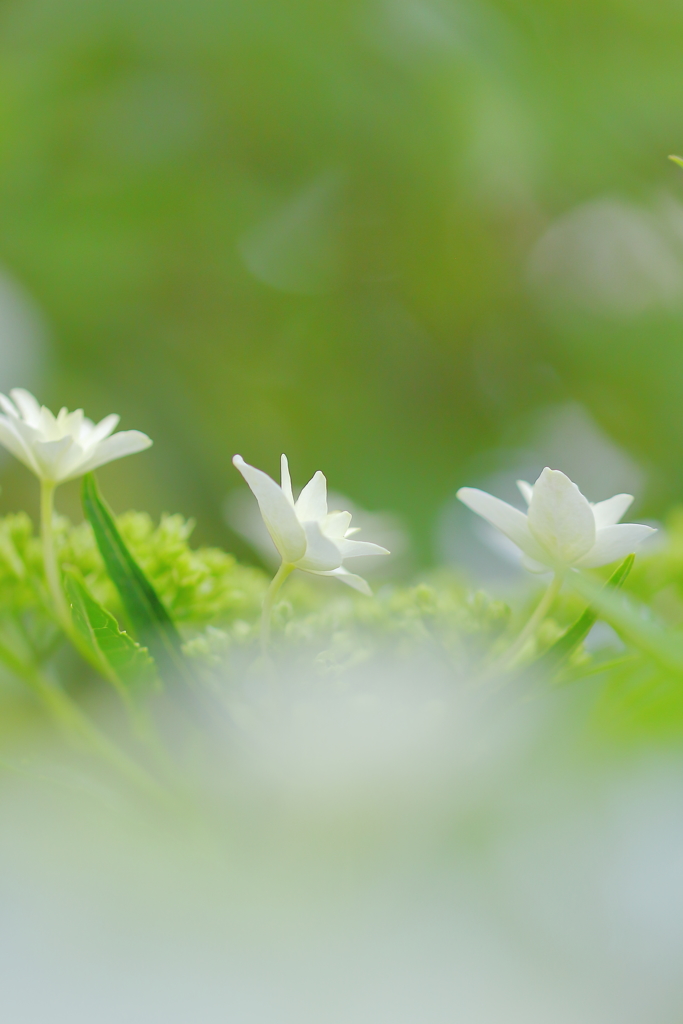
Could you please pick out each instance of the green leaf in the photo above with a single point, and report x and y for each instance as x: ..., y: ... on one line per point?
x: 129, y: 661
x: 149, y: 618
x: 562, y: 649
x: 677, y: 160
x: 635, y: 621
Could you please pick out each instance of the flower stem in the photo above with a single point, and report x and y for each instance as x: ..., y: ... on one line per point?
x: 269, y: 600
x: 52, y: 573
x: 540, y: 612
x: 54, y: 576
x: 76, y: 726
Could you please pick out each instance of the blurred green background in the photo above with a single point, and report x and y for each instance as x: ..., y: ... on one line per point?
x: 375, y: 234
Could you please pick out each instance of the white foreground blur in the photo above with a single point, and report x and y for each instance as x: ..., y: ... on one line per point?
x: 388, y: 845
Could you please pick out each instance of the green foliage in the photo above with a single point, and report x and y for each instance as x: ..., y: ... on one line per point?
x: 201, y: 587
x: 562, y: 649
x: 147, y: 613
x: 658, y: 579
x: 198, y: 586
x: 215, y: 602
x: 341, y: 630
x: 129, y: 661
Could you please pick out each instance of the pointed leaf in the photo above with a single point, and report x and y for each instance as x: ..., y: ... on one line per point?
x: 635, y: 621
x: 148, y: 616
x: 562, y: 649
x: 130, y: 662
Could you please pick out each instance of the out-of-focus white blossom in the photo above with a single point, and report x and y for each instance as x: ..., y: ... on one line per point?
x: 561, y: 529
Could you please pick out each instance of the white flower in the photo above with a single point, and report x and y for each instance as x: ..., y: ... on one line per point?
x: 59, y: 448
x: 306, y: 535
x: 562, y: 529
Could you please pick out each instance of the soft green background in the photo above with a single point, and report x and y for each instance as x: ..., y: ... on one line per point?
x: 259, y: 225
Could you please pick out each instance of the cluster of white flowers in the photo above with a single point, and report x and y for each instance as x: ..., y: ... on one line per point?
x: 561, y: 530
x: 63, y: 447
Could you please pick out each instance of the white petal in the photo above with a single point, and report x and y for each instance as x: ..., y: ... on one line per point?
x: 50, y: 455
x: 103, y: 429
x: 312, y: 503
x: 278, y: 515
x: 507, y: 519
x: 609, y: 512
x: 46, y: 422
x: 71, y: 422
x: 351, y: 580
x: 335, y: 525
x: 73, y: 461
x: 357, y: 548
x: 286, y: 480
x: 321, y: 553
x: 560, y: 518
x: 13, y: 441
x: 613, y: 543
x: 526, y: 490
x: 532, y: 566
x: 27, y: 405
x: 126, y: 442
x: 9, y: 407
x: 30, y: 435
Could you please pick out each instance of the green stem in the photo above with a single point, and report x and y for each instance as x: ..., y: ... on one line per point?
x: 76, y: 726
x: 269, y: 600
x: 52, y: 573
x: 534, y: 622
